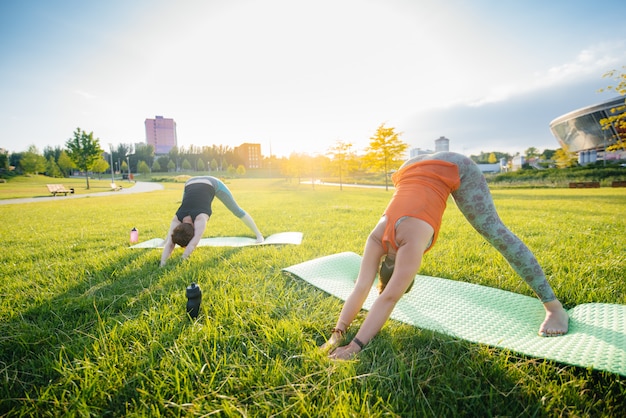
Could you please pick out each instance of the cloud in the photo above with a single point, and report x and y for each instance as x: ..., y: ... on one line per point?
x: 85, y: 94
x: 589, y: 63
x: 512, y: 125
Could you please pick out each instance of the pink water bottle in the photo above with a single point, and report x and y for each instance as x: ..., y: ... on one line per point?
x: 134, y: 235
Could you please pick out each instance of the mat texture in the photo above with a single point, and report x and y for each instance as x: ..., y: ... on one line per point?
x: 480, y: 314
x: 294, y: 238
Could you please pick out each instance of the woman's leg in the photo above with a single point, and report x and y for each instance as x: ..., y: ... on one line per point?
x: 474, y: 200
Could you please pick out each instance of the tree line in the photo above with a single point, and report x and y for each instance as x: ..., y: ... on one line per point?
x: 83, y: 153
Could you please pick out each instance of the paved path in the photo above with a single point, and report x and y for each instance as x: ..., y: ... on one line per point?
x: 139, y: 187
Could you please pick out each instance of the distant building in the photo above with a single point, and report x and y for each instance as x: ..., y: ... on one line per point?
x: 250, y: 154
x: 580, y: 131
x: 161, y: 134
x: 442, y: 144
x: 517, y: 162
x: 494, y: 168
x: 414, y: 152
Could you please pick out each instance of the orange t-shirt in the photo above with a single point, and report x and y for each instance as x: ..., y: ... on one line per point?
x: 422, y: 190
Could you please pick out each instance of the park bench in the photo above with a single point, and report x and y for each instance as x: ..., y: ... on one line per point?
x: 619, y: 183
x: 584, y: 184
x: 58, y: 188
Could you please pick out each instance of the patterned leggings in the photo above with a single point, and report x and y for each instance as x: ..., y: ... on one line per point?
x: 474, y: 200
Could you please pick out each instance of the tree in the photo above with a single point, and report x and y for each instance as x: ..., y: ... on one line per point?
x: 531, y: 153
x: 295, y: 167
x: 492, y: 158
x: 4, y: 160
x: 385, y: 150
x: 100, y: 166
x: 617, y: 119
x: 156, y: 167
x: 548, y: 154
x: 65, y: 163
x: 144, y: 152
x: 84, y: 150
x: 564, y: 159
x: 32, y: 162
x: 241, y: 170
x: 143, y: 168
x: 342, y: 159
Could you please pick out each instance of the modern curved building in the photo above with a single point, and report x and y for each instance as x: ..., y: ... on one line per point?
x: 580, y: 132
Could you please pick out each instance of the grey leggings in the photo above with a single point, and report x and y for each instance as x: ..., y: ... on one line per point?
x: 474, y: 200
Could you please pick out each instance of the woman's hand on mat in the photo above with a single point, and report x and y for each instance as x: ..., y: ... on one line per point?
x: 333, y: 342
x: 346, y: 352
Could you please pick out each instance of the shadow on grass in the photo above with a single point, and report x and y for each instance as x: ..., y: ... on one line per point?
x: 71, y: 328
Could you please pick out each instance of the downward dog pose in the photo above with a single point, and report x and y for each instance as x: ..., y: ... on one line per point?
x: 194, y: 212
x: 409, y: 228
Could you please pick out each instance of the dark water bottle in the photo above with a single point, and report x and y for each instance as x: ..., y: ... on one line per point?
x: 194, y: 297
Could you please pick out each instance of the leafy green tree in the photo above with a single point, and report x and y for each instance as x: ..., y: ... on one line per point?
x: 144, y: 152
x: 171, y: 166
x: 214, y: 164
x: 32, y: 162
x: 52, y: 168
x: 548, y: 154
x: 65, y: 163
x: 163, y: 162
x: 618, y: 113
x: 531, y: 152
x: 4, y: 160
x: 143, y: 168
x: 241, y: 170
x: 385, y: 151
x: 200, y: 165
x: 100, y: 166
x: 84, y: 150
x: 342, y: 160
x: 174, y: 155
x: 156, y: 167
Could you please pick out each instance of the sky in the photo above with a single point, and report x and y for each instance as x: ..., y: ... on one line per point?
x: 301, y: 76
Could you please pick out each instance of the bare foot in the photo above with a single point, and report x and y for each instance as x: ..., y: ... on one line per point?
x: 556, y: 322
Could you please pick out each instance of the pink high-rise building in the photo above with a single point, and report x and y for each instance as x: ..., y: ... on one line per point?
x: 161, y: 134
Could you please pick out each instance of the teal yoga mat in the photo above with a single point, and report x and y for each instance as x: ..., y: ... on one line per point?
x: 480, y: 314
x: 294, y: 238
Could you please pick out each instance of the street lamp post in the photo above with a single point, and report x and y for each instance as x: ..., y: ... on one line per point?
x: 111, y: 157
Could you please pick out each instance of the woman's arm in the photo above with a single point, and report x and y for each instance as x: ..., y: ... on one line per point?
x: 413, y: 236
x: 169, y: 245
x: 199, y: 225
x: 372, y: 254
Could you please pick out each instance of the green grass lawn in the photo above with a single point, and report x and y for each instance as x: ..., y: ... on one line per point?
x: 90, y: 327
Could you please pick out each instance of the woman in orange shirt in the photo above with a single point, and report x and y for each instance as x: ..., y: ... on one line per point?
x: 409, y: 228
